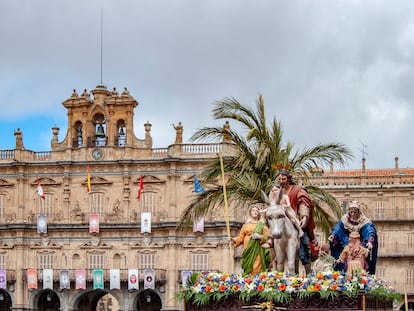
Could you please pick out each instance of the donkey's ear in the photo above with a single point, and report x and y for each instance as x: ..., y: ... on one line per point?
x: 264, y: 196
x: 279, y: 197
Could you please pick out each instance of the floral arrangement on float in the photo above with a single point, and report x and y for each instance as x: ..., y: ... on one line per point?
x: 203, y: 288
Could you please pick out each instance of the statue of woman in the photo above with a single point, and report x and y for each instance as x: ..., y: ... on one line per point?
x: 354, y: 221
x: 253, y: 234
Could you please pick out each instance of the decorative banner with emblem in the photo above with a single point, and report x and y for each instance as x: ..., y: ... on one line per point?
x: 185, y: 275
x: 64, y: 282
x: 80, y: 279
x: 94, y: 223
x: 31, y: 278
x: 149, y: 278
x: 41, y: 223
x: 145, y: 222
x: 47, y: 278
x: 98, y: 279
x: 3, y: 279
x: 133, y: 279
x: 114, y: 279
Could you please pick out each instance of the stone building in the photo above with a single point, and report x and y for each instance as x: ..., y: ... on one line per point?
x: 75, y: 236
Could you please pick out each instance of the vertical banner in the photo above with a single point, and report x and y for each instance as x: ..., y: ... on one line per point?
x: 98, y: 279
x: 88, y: 180
x: 185, y: 275
x: 149, y: 278
x: 141, y: 187
x: 41, y: 223
x: 93, y: 223
x: 198, y: 225
x: 133, y: 279
x: 31, y: 278
x: 80, y: 279
x: 114, y: 279
x: 3, y: 279
x: 47, y: 278
x: 145, y: 222
x: 64, y: 282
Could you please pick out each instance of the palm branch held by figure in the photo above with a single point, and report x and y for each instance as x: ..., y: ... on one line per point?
x: 248, y: 168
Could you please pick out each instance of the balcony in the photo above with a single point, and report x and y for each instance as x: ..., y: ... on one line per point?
x: 390, y: 214
x: 395, y: 249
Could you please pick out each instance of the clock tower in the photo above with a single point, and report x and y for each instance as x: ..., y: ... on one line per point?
x: 101, y: 125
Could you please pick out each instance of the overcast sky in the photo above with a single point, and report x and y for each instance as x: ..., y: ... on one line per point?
x: 330, y: 71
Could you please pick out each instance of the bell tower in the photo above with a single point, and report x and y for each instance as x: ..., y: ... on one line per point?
x: 103, y: 120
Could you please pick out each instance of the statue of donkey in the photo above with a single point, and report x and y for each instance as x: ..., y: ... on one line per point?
x: 285, y: 235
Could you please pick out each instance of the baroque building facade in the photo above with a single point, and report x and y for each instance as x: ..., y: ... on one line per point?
x: 74, y: 212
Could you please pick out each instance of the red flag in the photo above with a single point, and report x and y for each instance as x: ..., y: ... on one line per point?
x: 141, y: 187
x: 40, y: 190
x: 88, y: 182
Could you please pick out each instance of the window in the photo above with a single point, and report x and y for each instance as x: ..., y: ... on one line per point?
x: 379, y: 210
x: 46, y: 205
x: 45, y: 261
x: 409, y: 280
x: 96, y: 203
x: 96, y: 261
x: 410, y: 240
x: 149, y: 202
x: 410, y: 209
x: 3, y: 262
x: 147, y: 261
x: 2, y: 207
x: 381, y: 240
x: 199, y: 262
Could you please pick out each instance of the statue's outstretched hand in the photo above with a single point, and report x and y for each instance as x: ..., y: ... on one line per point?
x: 256, y: 236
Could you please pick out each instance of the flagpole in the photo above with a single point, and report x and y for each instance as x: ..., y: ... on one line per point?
x: 227, y: 213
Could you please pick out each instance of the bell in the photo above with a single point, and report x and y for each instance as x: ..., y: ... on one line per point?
x: 100, y: 131
x: 121, y: 131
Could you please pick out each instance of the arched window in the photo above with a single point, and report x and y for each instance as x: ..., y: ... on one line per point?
x: 78, y: 135
x: 100, y: 130
x: 121, y: 134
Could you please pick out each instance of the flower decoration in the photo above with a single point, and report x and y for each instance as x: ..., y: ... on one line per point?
x: 280, y: 165
x: 279, y: 287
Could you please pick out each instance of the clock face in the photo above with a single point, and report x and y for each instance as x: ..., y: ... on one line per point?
x: 97, y: 154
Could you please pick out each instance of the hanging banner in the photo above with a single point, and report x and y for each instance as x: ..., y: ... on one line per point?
x: 133, y: 279
x: 114, y: 279
x: 31, y: 278
x: 80, y: 279
x: 98, y: 279
x: 3, y: 279
x: 47, y: 278
x: 41, y: 223
x: 185, y: 275
x: 198, y: 225
x: 145, y: 222
x: 149, y: 278
x: 64, y: 282
x: 94, y: 223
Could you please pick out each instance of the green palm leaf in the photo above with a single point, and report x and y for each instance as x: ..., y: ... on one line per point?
x: 249, y: 170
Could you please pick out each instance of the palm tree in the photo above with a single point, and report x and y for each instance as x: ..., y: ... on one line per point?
x: 251, y: 168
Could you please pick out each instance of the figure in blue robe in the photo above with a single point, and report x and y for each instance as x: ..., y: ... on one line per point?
x: 354, y: 220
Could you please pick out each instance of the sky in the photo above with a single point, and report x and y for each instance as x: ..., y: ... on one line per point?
x: 329, y: 71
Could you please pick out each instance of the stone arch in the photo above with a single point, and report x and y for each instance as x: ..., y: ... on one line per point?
x: 47, y: 300
x: 147, y: 300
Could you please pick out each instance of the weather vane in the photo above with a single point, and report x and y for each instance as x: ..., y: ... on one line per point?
x: 363, y: 150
